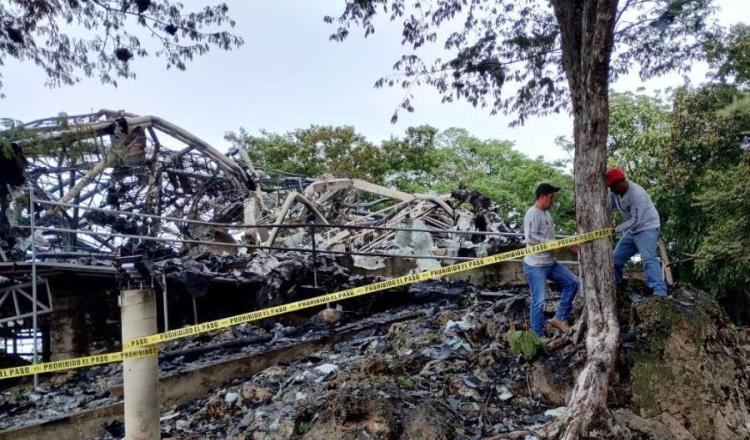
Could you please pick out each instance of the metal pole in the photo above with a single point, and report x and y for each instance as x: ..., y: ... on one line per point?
x: 164, y: 301
x: 314, y: 256
x: 35, y: 324
x: 195, y: 312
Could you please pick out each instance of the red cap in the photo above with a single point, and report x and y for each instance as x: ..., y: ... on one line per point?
x: 613, y: 175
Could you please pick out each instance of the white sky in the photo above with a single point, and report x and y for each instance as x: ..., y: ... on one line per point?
x: 289, y: 75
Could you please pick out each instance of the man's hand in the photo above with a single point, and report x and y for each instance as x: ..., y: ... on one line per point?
x: 575, y: 248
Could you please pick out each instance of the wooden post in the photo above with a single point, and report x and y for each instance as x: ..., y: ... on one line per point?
x: 665, y: 264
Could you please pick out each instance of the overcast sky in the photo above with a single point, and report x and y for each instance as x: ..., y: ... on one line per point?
x: 289, y: 75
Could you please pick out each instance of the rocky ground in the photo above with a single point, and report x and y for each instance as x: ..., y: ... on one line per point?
x: 447, y: 372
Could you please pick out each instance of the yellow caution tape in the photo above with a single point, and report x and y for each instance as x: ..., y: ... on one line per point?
x: 141, y: 347
x: 68, y: 364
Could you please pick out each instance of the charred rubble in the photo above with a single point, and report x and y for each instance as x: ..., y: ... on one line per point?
x: 442, y: 369
x: 86, y: 389
x: 450, y: 374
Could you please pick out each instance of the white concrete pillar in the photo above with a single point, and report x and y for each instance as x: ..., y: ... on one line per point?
x: 140, y: 376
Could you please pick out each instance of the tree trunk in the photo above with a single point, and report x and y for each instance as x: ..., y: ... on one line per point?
x: 586, y: 31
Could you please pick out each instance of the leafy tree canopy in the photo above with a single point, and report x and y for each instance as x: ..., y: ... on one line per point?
x: 729, y: 55
x: 490, y: 45
x: 639, y: 130
x: 703, y: 165
x: 314, y: 151
x: 412, y: 160
x: 73, y: 38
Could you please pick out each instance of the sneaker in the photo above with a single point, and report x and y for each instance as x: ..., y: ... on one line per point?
x: 560, y: 325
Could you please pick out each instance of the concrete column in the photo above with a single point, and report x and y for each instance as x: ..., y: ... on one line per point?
x: 68, y: 335
x: 140, y: 376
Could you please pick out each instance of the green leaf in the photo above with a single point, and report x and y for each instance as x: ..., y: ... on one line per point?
x: 525, y: 343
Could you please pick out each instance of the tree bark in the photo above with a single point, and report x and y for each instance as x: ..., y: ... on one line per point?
x: 586, y: 32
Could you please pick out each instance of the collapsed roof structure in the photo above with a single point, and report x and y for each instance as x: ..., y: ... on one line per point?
x: 119, y: 165
x: 138, y: 196
x: 117, y: 161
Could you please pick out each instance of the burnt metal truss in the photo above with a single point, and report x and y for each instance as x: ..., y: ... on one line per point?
x: 114, y: 192
x: 137, y: 164
x: 104, y: 179
x: 16, y: 302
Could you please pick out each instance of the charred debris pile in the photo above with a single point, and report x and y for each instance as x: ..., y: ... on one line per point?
x: 449, y: 372
x: 442, y: 369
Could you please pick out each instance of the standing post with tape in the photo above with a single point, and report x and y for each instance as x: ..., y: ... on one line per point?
x: 144, y: 346
x: 140, y: 377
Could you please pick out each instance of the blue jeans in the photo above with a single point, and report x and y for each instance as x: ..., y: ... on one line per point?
x: 644, y: 243
x: 537, y: 277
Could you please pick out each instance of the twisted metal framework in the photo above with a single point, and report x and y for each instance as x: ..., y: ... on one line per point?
x: 125, y: 165
x: 125, y: 162
x: 113, y: 184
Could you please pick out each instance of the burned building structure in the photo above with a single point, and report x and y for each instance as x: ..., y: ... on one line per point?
x: 98, y: 202
x: 97, y: 209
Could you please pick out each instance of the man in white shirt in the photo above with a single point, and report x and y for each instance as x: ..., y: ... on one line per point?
x: 538, y: 227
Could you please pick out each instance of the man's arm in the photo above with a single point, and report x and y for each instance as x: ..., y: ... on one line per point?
x: 635, y: 218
